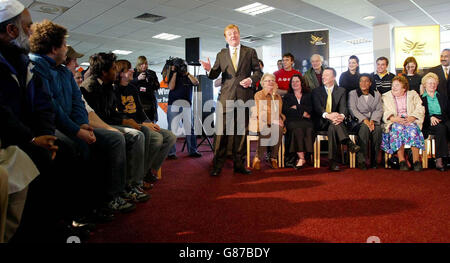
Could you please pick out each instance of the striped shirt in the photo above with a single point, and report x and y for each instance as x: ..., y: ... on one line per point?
x: 383, y: 84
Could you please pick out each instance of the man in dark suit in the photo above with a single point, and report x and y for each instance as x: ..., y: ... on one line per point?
x: 330, y: 112
x: 240, y: 69
x: 443, y: 72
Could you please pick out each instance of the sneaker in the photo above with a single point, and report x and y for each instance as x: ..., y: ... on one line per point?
x: 172, y: 157
x: 119, y: 204
x: 135, y: 195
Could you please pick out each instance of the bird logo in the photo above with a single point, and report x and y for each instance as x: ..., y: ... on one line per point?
x: 413, y: 47
x: 316, y: 40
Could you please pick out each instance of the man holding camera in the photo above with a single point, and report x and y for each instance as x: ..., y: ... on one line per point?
x: 181, y: 84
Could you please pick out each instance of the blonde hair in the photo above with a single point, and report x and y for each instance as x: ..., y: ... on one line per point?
x: 266, y: 75
x: 140, y: 60
x: 430, y: 75
x: 231, y: 26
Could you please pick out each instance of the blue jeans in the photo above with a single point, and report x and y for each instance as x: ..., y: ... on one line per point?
x: 111, y: 147
x: 191, y: 139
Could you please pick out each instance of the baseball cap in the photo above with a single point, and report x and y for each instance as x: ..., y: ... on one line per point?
x: 71, y: 53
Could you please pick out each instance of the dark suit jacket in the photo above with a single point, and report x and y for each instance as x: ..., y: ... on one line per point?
x: 339, y: 105
x: 442, y: 87
x: 248, y: 64
x: 305, y: 105
x: 445, y: 110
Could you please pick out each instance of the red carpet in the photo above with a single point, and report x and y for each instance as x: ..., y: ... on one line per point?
x: 310, y: 205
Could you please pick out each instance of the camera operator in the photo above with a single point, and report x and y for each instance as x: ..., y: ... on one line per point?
x: 147, y: 83
x: 181, y: 83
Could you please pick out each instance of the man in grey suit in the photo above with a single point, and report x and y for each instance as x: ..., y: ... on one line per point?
x: 240, y: 69
x: 443, y: 72
x: 330, y: 111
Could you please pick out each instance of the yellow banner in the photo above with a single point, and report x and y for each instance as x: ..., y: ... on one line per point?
x: 420, y: 42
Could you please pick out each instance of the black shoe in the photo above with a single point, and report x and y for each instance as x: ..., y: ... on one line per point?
x: 242, y: 170
x: 101, y: 215
x: 195, y: 155
x: 150, y: 178
x: 403, y: 166
x: 334, y: 167
x: 440, y: 165
x: 172, y: 157
x: 215, y: 172
x: 417, y: 166
x: 362, y: 166
x: 353, y: 147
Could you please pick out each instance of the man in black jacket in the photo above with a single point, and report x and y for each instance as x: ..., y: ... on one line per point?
x: 330, y: 110
x: 443, y: 71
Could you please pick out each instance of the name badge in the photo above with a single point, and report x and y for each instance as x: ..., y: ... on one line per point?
x: 143, y: 89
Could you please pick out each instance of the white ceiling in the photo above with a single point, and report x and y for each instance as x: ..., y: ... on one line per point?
x: 104, y: 25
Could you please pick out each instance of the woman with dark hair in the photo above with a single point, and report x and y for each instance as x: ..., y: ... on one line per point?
x: 350, y: 79
x: 297, y: 107
x: 365, y: 105
x: 403, y: 117
x: 410, y: 68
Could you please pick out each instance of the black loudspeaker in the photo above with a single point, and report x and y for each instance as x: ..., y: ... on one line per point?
x: 205, y: 86
x: 193, y: 51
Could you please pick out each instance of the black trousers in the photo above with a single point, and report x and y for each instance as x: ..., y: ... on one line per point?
x: 336, y: 134
x: 234, y: 129
x: 441, y: 133
x: 364, y: 135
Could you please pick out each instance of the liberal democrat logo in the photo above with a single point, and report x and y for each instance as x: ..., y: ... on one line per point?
x: 317, y: 41
x: 413, y: 48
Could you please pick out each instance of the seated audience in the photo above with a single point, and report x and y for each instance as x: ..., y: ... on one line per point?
x: 437, y: 117
x: 99, y: 93
x: 270, y: 121
x: 403, y: 118
x: 158, y: 141
x: 365, y: 105
x: 297, y: 107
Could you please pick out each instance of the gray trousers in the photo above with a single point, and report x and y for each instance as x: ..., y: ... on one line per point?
x: 135, y: 152
x: 157, y: 147
x: 364, y: 135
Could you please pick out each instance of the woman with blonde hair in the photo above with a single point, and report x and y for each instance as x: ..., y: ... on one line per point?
x: 270, y: 120
x: 437, y: 117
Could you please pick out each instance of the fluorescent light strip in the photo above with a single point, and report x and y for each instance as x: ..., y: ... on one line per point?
x: 85, y: 64
x: 425, y: 12
x: 166, y: 36
x: 255, y: 9
x: 122, y: 52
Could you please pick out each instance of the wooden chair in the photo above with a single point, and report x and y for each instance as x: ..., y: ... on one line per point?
x: 280, y: 160
x: 322, y: 136
x: 430, y: 150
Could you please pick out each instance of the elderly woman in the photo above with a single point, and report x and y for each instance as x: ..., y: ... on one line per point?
x: 403, y: 117
x: 365, y: 105
x: 437, y: 117
x: 270, y: 120
x: 297, y: 107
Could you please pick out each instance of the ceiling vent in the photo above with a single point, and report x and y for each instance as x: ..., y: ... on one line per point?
x: 446, y: 27
x: 251, y: 39
x: 151, y: 18
x: 48, y: 8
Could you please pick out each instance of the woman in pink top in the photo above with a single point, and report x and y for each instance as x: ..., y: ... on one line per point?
x: 403, y: 118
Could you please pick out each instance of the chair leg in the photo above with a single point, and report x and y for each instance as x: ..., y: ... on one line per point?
x: 386, y: 158
x: 315, y: 153
x: 248, y: 152
x: 425, y: 154
x: 318, y: 153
